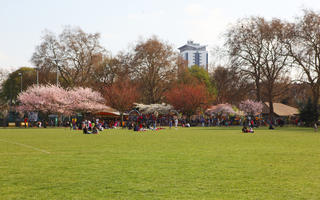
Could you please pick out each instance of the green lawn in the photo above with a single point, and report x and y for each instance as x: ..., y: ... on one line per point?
x: 195, y: 163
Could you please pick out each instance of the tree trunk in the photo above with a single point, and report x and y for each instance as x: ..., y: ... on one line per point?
x: 270, y: 112
x: 121, y: 119
x: 258, y: 90
x: 315, y: 100
x: 315, y: 94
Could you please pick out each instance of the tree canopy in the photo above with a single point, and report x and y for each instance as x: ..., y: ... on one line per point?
x: 259, y: 52
x: 74, y: 53
x: 11, y: 86
x: 188, y: 98
x: 53, y: 99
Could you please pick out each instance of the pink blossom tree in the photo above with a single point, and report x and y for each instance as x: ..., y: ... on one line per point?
x: 47, y: 99
x: 251, y: 107
x: 53, y: 99
x: 85, y: 100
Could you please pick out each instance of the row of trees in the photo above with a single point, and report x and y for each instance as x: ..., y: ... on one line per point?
x: 259, y: 55
x: 150, y: 73
x: 266, y: 51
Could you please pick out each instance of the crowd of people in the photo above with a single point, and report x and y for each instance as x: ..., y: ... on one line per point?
x: 151, y: 122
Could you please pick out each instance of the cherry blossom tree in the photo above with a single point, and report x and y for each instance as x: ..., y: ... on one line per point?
x: 85, y: 100
x: 47, y: 99
x: 53, y: 99
x: 251, y: 107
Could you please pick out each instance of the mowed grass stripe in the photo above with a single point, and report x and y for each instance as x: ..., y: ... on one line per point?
x: 195, y: 163
x: 24, y: 145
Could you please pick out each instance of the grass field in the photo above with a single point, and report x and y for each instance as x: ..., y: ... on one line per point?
x: 195, y: 163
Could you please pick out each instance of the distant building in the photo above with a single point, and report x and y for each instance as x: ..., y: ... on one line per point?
x: 195, y: 54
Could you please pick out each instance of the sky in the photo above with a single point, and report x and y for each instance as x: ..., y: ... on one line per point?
x: 122, y: 23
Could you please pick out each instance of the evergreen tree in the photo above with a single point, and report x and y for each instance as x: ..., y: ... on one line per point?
x: 309, y: 113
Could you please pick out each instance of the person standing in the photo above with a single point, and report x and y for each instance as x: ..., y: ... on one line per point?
x: 25, y: 122
x: 176, y: 122
x: 170, y: 123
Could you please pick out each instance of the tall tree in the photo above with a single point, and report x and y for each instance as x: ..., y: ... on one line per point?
x: 121, y: 95
x: 184, y: 76
x: 73, y: 54
x: 202, y: 77
x: 155, y: 67
x: 244, y: 46
x: 111, y: 69
x: 195, y: 75
x: 309, y: 113
x: 274, y: 59
x: 303, y: 45
x: 255, y: 45
x: 188, y: 98
x: 4, y: 106
x: 297, y: 93
x: 11, y: 86
x: 231, y: 87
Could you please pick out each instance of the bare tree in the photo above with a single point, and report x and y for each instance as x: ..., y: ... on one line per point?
x: 244, y: 46
x: 297, y: 93
x: 303, y: 45
x: 111, y: 69
x: 274, y: 60
x: 255, y: 45
x: 231, y: 86
x: 73, y: 53
x: 154, y: 65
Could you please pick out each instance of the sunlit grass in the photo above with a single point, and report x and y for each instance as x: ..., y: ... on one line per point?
x: 195, y: 163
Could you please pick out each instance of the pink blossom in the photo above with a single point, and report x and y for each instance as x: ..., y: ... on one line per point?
x: 53, y: 99
x: 86, y: 100
x: 251, y: 107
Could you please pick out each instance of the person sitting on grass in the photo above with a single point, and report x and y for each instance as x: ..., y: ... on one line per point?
x: 95, y: 130
x: 100, y: 127
x: 85, y: 130
x: 250, y: 130
x: 244, y: 129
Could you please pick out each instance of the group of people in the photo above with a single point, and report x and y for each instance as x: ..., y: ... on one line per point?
x: 143, y: 123
x: 247, y: 130
x: 89, y: 127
